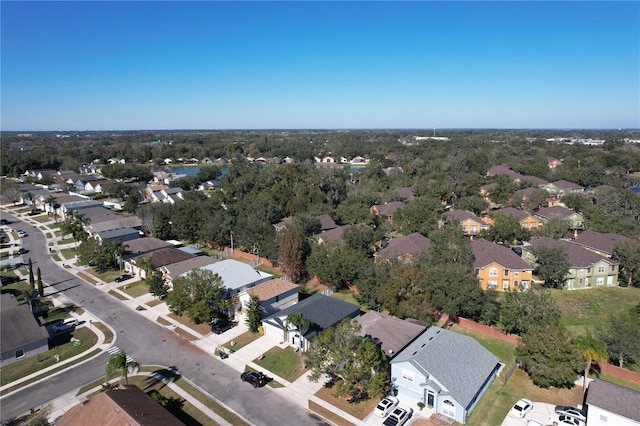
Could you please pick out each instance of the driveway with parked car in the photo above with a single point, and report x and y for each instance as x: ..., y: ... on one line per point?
x: 538, y: 413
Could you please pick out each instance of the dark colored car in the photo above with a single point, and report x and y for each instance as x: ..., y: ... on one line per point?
x: 122, y: 277
x: 23, y: 251
x: 222, y: 326
x: 4, y: 222
x: 9, y: 279
x: 255, y: 378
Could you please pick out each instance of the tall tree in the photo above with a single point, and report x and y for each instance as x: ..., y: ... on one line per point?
x: 31, y: 280
x: 549, y: 357
x: 119, y: 362
x: 551, y: 265
x: 39, y: 282
x: 592, y: 350
x: 299, y: 321
x: 358, y: 365
x: 293, y: 251
x: 520, y: 311
x: 628, y: 255
x: 201, y: 294
x: 555, y: 228
x: 254, y: 314
x: 506, y: 230
x: 621, y: 334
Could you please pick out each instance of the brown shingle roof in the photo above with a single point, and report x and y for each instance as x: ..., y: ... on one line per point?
x: 463, y: 215
x: 126, y: 405
x: 271, y: 289
x: 388, y: 209
x: 413, y: 245
x: 326, y: 222
x: 485, y: 253
x: 602, y: 242
x: 165, y: 256
x: 555, y: 211
x: 511, y: 211
x: 577, y: 256
x: 391, y: 333
x: 614, y: 398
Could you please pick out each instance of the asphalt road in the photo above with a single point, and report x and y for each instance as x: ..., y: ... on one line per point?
x: 149, y: 344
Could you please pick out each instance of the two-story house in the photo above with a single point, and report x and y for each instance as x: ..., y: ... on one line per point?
x: 526, y: 220
x: 470, y: 223
x: 586, y: 268
x: 499, y: 268
x: 574, y: 219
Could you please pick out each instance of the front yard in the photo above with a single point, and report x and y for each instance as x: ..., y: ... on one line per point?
x: 283, y: 362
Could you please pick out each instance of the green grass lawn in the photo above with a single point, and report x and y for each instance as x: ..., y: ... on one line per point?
x: 347, y: 296
x: 106, y: 276
x: 135, y: 289
x: 584, y: 309
x: 66, y: 241
x: 283, y: 362
x: 65, y: 350
x: 242, y: 340
x: 505, y: 351
x: 42, y: 219
x: 117, y: 295
x: 68, y: 253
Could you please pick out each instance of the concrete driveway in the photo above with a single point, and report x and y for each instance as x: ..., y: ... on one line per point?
x: 541, y: 411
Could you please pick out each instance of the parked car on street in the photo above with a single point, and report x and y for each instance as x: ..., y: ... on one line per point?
x: 521, y: 408
x: 122, y: 277
x: 4, y: 222
x: 385, y: 406
x: 254, y: 377
x: 23, y: 251
x: 398, y: 416
x: 21, y: 233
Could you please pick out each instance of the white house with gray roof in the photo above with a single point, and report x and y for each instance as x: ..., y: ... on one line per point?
x: 610, y: 404
x: 237, y: 276
x: 446, y: 371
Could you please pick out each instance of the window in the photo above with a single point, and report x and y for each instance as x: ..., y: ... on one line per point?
x: 493, y: 284
x: 407, y: 375
x: 515, y: 284
x: 581, y: 271
x: 532, y: 225
x: 506, y: 272
x: 448, y: 409
x: 493, y: 272
x: 505, y: 284
x: 599, y: 280
x: 603, y: 418
x: 20, y: 353
x: 601, y: 269
x: 612, y: 268
x: 516, y: 273
x: 588, y: 270
x: 474, y: 229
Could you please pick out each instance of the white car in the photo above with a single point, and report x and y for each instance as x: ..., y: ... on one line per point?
x: 398, y: 416
x: 385, y: 406
x: 521, y: 408
x: 63, y: 326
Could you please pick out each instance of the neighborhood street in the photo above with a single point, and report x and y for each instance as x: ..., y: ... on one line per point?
x: 149, y: 344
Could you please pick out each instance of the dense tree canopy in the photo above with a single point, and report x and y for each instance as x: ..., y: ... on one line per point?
x: 201, y: 294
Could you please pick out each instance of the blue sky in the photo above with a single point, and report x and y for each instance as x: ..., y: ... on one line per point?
x: 270, y: 65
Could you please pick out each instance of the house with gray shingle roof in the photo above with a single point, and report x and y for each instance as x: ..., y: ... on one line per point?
x: 586, y: 268
x: 446, y: 371
x: 237, y: 276
x: 322, y: 311
x: 611, y: 404
x: 20, y: 334
x: 386, y: 210
x: 471, y: 224
x: 574, y: 219
x: 120, y: 234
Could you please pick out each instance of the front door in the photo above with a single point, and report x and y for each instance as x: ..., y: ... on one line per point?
x: 430, y: 399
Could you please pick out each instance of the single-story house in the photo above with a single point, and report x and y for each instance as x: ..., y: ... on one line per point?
x: 21, y: 335
x: 446, y: 371
x: 237, y: 276
x: 174, y: 270
x: 274, y: 296
x: 120, y: 234
x: 610, y: 404
x: 563, y: 187
x: 386, y: 210
x: 126, y: 405
x: 322, y: 311
x: 334, y: 234
x: 143, y: 245
x: 157, y: 259
x: 391, y: 334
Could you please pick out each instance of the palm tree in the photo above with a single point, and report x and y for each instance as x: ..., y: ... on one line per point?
x: 51, y: 202
x: 298, y: 320
x: 593, y: 350
x: 118, y: 362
